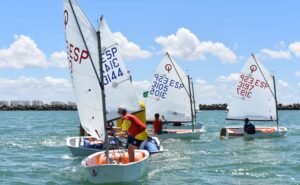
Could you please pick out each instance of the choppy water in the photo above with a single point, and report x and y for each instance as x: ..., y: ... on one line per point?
x: 32, y: 151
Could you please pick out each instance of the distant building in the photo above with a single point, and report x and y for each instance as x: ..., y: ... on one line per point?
x: 37, y: 103
x: 58, y: 103
x: 71, y: 103
x: 4, y: 103
x: 19, y: 102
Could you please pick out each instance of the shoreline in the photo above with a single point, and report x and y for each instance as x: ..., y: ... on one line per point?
x: 46, y: 107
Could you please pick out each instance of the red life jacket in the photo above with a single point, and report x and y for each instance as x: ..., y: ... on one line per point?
x: 157, y: 126
x: 137, y: 126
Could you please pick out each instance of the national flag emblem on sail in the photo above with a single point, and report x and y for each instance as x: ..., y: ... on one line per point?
x: 145, y: 94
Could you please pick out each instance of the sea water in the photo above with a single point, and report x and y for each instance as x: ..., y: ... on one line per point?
x: 33, y: 151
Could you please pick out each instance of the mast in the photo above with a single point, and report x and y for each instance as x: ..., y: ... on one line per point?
x: 194, y: 103
x: 191, y: 102
x: 277, y: 120
x: 103, y: 95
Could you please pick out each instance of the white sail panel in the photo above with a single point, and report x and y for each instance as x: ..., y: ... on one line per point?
x: 118, y: 87
x: 254, y: 96
x: 85, y: 81
x: 169, y: 93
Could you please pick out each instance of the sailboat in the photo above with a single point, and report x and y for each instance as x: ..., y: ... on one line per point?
x: 118, y: 89
x: 172, y: 96
x: 87, y: 73
x: 255, y: 98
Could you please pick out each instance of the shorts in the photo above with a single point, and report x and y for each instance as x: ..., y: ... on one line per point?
x: 132, y: 141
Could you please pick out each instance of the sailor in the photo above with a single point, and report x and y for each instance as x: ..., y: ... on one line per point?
x: 249, y: 128
x: 157, y: 124
x: 132, y: 128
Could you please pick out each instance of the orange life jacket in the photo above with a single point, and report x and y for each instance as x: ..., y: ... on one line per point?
x: 137, y: 126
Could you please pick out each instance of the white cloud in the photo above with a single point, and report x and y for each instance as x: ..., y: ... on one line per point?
x: 273, y: 54
x: 22, y: 53
x: 233, y: 77
x: 31, y: 88
x: 283, y: 84
x: 59, y: 59
x: 206, y: 93
x: 295, y: 48
x: 297, y: 73
x: 130, y: 50
x: 186, y: 44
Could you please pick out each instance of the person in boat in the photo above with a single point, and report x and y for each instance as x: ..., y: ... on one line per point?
x: 249, y: 128
x: 134, y: 129
x: 157, y: 124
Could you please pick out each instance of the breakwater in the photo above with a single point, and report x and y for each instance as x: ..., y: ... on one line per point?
x: 44, y: 107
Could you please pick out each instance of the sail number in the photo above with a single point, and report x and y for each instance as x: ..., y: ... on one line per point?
x: 247, y: 84
x: 161, y: 85
x: 76, y: 54
x: 111, y: 67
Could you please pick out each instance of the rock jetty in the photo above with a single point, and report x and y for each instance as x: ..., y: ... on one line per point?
x: 44, y: 107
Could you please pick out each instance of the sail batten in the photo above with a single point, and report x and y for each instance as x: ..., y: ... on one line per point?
x: 254, y: 94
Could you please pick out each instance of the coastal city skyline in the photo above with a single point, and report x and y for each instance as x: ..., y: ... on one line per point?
x: 210, y: 40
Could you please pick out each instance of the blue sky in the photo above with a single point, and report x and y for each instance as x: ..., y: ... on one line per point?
x: 210, y: 39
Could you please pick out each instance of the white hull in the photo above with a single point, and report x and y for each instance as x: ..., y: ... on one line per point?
x: 180, y: 134
x: 79, y: 149
x: 261, y: 132
x: 112, y: 173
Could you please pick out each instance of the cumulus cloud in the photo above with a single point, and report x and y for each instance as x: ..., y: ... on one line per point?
x: 273, y: 54
x: 206, y: 93
x: 24, y: 52
x: 186, y: 44
x: 283, y: 84
x: 233, y: 77
x: 46, y: 89
x: 130, y: 50
x: 295, y: 48
x: 59, y: 59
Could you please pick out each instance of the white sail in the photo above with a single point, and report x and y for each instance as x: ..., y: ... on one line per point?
x: 169, y: 93
x: 83, y: 60
x: 254, y: 96
x: 118, y: 87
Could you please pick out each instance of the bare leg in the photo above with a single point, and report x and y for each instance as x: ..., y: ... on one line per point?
x: 131, y: 152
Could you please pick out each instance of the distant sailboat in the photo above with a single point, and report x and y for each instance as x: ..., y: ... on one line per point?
x: 255, y: 99
x: 85, y: 57
x: 171, y: 95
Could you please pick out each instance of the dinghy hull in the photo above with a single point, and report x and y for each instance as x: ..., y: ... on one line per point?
x: 76, y: 146
x: 180, y: 134
x: 121, y: 170
x: 261, y: 132
x: 79, y: 150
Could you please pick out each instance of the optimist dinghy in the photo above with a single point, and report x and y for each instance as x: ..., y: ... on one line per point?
x: 255, y: 99
x: 118, y: 87
x: 172, y: 96
x: 84, y: 55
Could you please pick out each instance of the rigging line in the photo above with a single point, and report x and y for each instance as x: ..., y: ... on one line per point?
x: 263, y: 76
x: 83, y: 39
x: 178, y: 74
